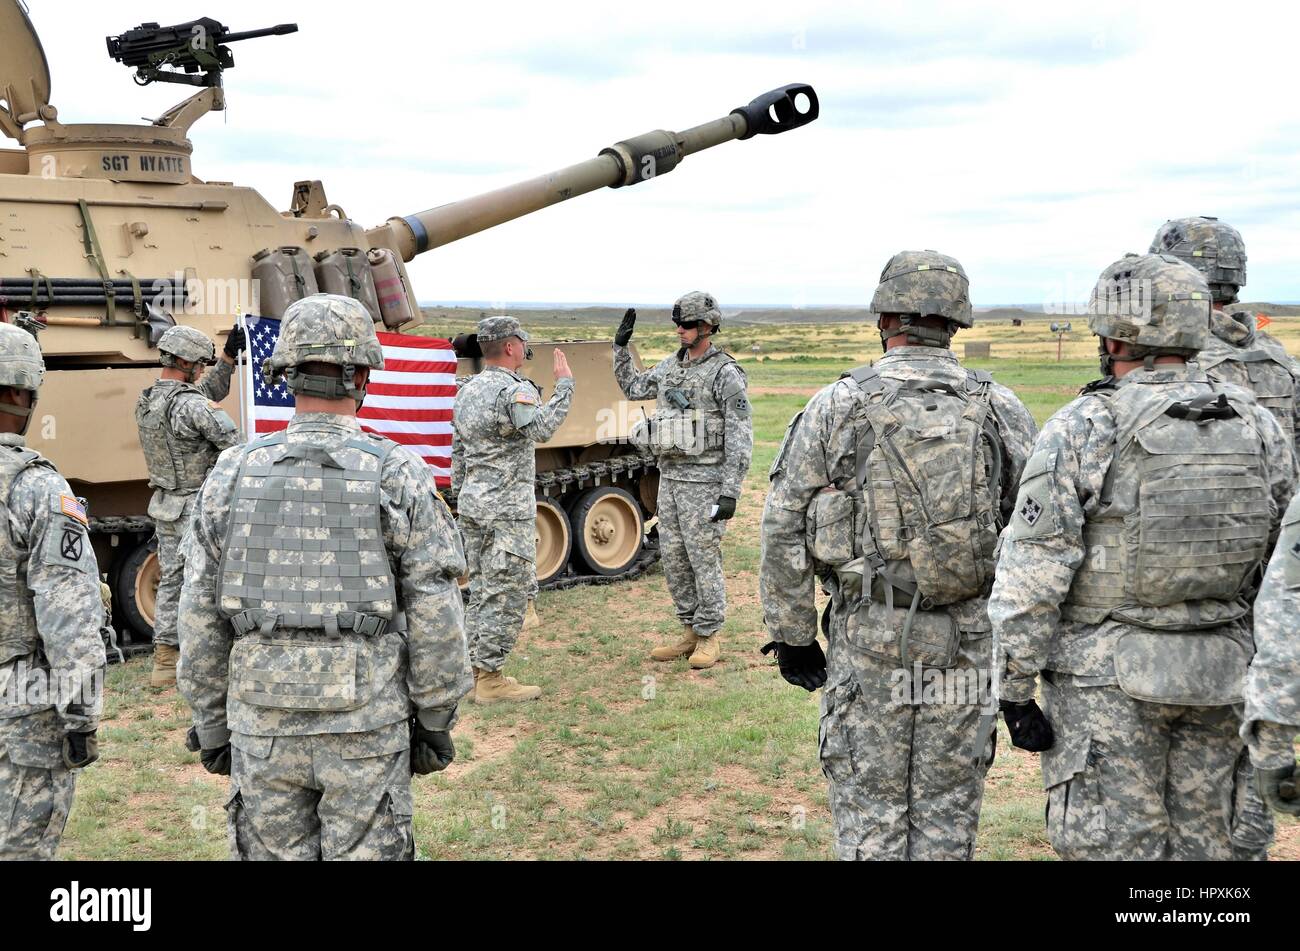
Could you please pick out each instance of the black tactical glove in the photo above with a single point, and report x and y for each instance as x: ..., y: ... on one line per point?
x: 80, y: 749
x: 1277, y: 787
x: 236, y: 341
x: 726, y: 509
x: 192, y: 740
x: 624, y: 332
x: 1030, y: 729
x: 802, y: 666
x: 431, y: 750
x: 215, y: 761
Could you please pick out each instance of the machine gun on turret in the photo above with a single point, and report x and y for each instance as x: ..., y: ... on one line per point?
x: 195, y: 53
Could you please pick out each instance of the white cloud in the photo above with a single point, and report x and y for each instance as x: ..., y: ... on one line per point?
x: 1035, y: 143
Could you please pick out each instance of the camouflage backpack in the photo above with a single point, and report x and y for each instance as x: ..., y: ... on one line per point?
x: 929, y: 465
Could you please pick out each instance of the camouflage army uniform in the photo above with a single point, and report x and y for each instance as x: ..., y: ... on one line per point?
x: 317, y: 707
x: 1237, y: 352
x: 900, y: 767
x: 499, y: 419
x: 1140, y: 637
x: 1272, y: 717
x: 692, y: 480
x: 49, y: 636
x: 182, y: 431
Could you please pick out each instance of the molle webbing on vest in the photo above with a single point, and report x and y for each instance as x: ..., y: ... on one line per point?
x: 304, y: 546
x: 1183, y: 522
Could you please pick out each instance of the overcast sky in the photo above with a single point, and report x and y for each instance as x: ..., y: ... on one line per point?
x: 1034, y: 142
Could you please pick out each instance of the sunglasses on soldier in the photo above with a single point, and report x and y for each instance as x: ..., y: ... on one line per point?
x: 687, y: 324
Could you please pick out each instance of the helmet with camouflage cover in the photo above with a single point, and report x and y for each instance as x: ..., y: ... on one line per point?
x: 185, y: 343
x: 21, y: 367
x: 698, y: 305
x: 325, y: 328
x: 1212, y: 247
x: 1155, y: 303
x: 918, y: 284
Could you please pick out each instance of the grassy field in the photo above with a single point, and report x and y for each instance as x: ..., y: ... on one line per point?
x: 623, y: 757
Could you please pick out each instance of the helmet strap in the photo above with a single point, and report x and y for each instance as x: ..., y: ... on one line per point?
x: 918, y: 334
x: 23, y: 412
x: 326, y: 387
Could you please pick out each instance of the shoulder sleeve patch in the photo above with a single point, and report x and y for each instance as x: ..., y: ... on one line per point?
x: 523, y: 396
x: 71, y: 507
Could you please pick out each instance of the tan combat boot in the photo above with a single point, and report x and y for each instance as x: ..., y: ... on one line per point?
x: 531, y: 620
x: 708, y: 650
x: 681, y: 648
x: 491, y: 686
x: 164, y: 665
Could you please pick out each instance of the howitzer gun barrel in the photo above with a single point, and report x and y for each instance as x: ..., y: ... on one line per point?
x: 624, y: 163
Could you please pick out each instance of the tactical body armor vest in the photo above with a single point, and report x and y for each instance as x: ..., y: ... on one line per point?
x: 925, y: 508
x: 305, y: 577
x: 18, y: 634
x: 175, y: 464
x: 1184, y: 515
x: 688, y: 425
x: 1263, y: 368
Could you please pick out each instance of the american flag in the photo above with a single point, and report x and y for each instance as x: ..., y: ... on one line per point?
x: 409, y: 400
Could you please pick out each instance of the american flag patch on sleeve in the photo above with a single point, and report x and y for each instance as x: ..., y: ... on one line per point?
x: 74, y: 509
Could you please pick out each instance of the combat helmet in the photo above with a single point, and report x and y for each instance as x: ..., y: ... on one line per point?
x: 325, y: 328
x: 1155, y: 303
x: 698, y: 305
x: 1212, y: 247
x: 21, y: 367
x: 185, y: 343
x: 923, y: 284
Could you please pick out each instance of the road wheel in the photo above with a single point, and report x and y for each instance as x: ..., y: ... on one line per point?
x: 136, y: 593
x: 554, y: 540
x: 607, y: 529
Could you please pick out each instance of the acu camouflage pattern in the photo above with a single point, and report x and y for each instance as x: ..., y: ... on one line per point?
x: 395, y: 673
x: 1213, y: 247
x: 330, y: 797
x: 1154, y: 302
x: 926, y: 283
x: 717, y: 427
x: 499, y: 328
x: 188, y: 344
x: 1272, y: 715
x: 1169, y: 767
x: 499, y: 418
x: 325, y: 328
x: 182, y: 431
x: 698, y: 305
x: 502, y: 557
x: 50, y: 628
x: 881, y: 806
x: 21, y: 363
x: 1237, y: 353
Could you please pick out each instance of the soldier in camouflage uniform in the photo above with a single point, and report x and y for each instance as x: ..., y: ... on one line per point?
x: 51, y: 655
x: 904, y: 611
x: 1237, y: 352
x: 322, y: 638
x: 702, y: 434
x: 1143, y: 514
x: 499, y: 418
x: 1272, y: 717
x: 182, y: 430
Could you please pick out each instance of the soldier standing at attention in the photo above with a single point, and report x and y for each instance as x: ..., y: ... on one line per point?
x: 1144, y: 513
x: 499, y: 418
x: 182, y: 431
x: 703, y: 437
x: 891, y: 486
x: 322, y: 637
x: 49, y: 624
x: 1272, y: 717
x: 1236, y: 352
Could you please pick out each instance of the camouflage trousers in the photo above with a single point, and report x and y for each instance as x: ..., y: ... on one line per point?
x: 1127, y: 779
x: 327, y: 796
x: 691, y: 547
x: 171, y: 568
x: 902, y: 783
x: 35, y: 795
x: 1252, y: 820
x: 502, y: 558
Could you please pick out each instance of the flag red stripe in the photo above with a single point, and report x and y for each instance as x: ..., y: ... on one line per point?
x: 407, y: 415
x: 414, y: 439
x: 410, y: 389
x: 418, y: 366
x: 414, y: 340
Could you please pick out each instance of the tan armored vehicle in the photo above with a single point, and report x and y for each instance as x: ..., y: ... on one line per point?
x: 107, y: 237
